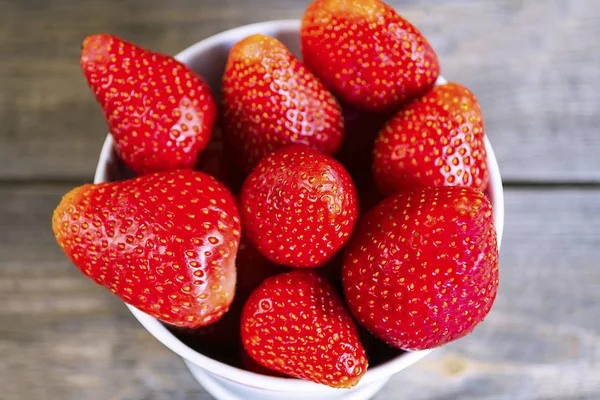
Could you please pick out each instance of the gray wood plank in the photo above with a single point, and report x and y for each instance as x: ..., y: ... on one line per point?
x: 534, y: 65
x: 62, y: 337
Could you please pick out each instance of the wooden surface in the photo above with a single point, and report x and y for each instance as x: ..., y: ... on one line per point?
x: 534, y: 64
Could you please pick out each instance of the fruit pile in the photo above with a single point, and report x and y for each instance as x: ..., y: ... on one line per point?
x: 349, y: 169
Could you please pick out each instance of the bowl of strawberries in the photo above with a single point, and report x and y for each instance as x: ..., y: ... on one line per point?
x: 298, y: 209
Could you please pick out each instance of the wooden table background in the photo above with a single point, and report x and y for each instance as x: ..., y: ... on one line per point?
x: 535, y: 66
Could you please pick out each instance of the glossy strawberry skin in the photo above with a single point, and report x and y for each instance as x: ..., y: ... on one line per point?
x: 270, y: 100
x: 366, y: 53
x: 296, y: 323
x: 437, y: 140
x: 298, y: 207
x: 164, y: 242
x: 422, y: 268
x: 160, y: 113
x: 222, y: 338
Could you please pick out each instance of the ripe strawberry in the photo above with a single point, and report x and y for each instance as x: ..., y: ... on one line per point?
x: 271, y: 100
x: 437, y: 140
x: 164, y: 243
x: 159, y: 111
x: 298, y: 207
x: 221, y: 340
x: 296, y: 323
x: 422, y: 268
x: 366, y: 53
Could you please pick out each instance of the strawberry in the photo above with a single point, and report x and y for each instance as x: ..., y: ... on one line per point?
x: 366, y: 53
x: 222, y: 338
x: 271, y: 100
x: 422, y: 267
x: 488, y: 192
x: 437, y: 140
x: 296, y: 323
x: 164, y: 242
x: 159, y: 111
x: 298, y: 207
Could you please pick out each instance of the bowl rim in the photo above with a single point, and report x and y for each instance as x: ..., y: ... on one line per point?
x: 238, y: 375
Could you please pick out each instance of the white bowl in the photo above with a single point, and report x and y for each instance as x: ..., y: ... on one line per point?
x: 223, y: 381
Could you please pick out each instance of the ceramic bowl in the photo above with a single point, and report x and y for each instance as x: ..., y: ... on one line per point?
x: 222, y: 381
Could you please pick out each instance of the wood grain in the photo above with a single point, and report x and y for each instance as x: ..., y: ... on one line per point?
x: 62, y: 337
x: 532, y: 63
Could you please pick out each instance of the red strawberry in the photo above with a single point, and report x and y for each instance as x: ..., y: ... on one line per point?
x: 422, y: 268
x: 299, y: 207
x: 164, y: 243
x: 437, y: 140
x: 270, y: 100
x: 159, y: 111
x: 296, y: 323
x: 367, y: 53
